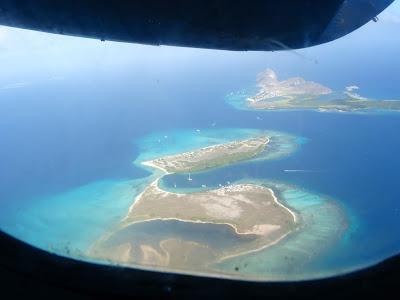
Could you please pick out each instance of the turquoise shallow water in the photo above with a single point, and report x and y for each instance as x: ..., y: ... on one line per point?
x: 69, y: 222
x: 238, y: 98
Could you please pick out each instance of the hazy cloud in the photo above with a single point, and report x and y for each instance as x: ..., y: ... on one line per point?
x: 16, y: 85
x: 2, y: 33
x: 391, y: 14
x: 56, y: 78
x: 391, y: 17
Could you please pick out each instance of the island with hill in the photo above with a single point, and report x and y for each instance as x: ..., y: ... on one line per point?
x: 297, y: 93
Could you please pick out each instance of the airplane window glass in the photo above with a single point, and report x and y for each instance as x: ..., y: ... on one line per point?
x: 252, y: 165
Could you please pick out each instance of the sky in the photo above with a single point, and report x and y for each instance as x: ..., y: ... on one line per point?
x: 28, y: 57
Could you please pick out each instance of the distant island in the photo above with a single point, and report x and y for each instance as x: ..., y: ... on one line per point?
x: 297, y: 93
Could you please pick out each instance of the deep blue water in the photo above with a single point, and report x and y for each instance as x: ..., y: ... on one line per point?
x: 57, y: 136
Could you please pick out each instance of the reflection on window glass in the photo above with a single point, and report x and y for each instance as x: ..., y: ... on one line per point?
x: 252, y: 165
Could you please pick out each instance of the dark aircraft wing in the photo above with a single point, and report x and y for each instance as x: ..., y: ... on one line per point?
x: 215, y: 24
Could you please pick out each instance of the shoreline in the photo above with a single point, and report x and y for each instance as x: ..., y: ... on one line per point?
x: 149, y: 163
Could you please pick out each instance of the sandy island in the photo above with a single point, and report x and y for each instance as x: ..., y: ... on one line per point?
x: 252, y: 212
x: 210, y: 157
